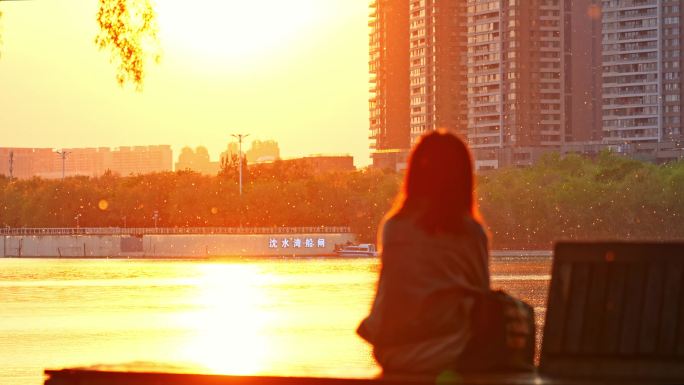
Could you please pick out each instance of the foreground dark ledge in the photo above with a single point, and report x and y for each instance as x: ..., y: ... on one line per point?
x: 97, y: 377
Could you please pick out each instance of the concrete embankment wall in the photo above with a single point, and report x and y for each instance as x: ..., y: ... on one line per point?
x: 61, y: 246
x: 177, y: 245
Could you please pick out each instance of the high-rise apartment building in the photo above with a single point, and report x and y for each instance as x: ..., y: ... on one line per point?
x: 642, y: 69
x: 389, y: 78
x: 489, y: 70
x: 514, y: 73
x: 521, y: 77
x: 581, y: 70
x: 437, y: 57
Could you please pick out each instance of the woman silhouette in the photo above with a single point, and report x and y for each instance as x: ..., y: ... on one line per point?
x: 431, y: 241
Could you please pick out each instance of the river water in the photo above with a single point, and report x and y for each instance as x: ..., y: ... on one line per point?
x: 259, y: 316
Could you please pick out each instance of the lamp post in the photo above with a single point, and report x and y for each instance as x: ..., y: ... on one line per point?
x: 155, y: 216
x: 63, y: 154
x: 11, y: 165
x: 239, y: 138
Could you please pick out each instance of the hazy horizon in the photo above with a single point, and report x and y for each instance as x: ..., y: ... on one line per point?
x: 300, y: 78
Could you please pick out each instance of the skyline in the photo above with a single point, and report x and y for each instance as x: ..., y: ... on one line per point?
x: 518, y: 79
x: 305, y: 86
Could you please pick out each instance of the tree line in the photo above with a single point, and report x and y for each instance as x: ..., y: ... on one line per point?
x: 570, y: 198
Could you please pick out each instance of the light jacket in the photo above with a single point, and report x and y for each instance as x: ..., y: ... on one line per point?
x: 412, y: 328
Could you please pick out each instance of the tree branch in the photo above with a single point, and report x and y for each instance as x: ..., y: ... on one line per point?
x: 128, y: 29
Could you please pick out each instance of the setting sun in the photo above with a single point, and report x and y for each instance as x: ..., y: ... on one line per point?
x: 237, y: 31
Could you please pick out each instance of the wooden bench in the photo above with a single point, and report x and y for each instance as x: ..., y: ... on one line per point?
x: 615, y: 310
x: 615, y: 315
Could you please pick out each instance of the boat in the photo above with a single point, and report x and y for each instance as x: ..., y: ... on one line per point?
x: 359, y: 250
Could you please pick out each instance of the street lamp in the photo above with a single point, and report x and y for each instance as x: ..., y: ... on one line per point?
x: 63, y: 154
x: 239, y: 138
x: 155, y: 216
x: 11, y: 165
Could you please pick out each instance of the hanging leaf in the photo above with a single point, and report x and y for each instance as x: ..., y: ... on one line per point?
x: 128, y: 28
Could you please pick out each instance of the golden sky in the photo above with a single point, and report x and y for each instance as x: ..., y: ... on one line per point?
x: 294, y: 71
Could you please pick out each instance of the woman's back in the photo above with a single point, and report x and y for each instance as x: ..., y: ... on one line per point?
x: 412, y: 329
x: 428, y: 262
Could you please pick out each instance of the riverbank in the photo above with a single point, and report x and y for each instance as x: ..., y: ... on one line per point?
x: 187, y: 243
x: 495, y: 255
x: 172, y: 243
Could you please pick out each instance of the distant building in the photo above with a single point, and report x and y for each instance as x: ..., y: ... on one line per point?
x: 197, y: 160
x: 260, y: 151
x: 83, y: 161
x: 263, y: 151
x: 642, y: 70
x: 582, y: 70
x: 320, y: 164
x: 437, y: 67
x: 514, y: 73
x: 395, y: 160
x: 654, y: 152
x: 142, y: 159
x: 233, y: 148
x: 487, y: 70
x: 27, y: 162
x: 389, y: 101
x: 523, y: 77
x: 46, y: 163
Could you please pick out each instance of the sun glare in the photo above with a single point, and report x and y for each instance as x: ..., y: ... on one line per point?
x: 226, y: 329
x: 236, y: 32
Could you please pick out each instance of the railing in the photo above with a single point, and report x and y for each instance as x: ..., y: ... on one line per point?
x: 170, y: 230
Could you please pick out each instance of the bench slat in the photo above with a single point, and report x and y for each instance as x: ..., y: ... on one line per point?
x: 633, y: 299
x: 610, y: 336
x: 579, y: 288
x: 680, y: 324
x: 648, y: 335
x: 667, y: 340
x: 558, y: 295
x: 595, y: 309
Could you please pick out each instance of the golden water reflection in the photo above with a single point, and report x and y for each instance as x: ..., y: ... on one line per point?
x: 226, y: 331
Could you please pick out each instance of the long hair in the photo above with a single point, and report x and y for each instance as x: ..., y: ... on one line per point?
x: 438, y: 189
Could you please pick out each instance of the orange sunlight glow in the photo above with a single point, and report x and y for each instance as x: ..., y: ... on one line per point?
x: 227, y: 336
x: 236, y: 31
